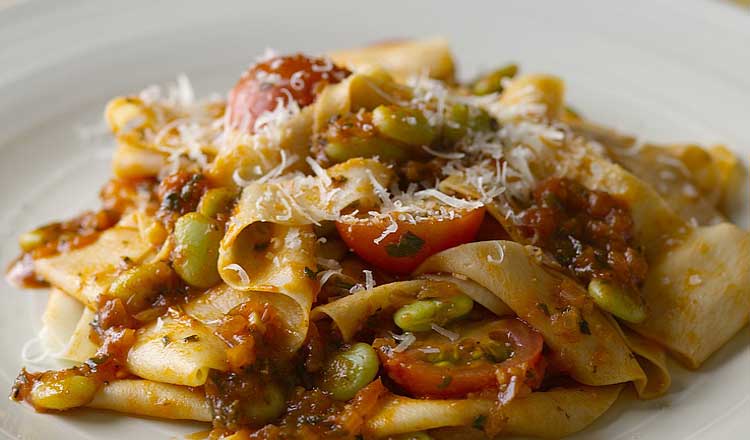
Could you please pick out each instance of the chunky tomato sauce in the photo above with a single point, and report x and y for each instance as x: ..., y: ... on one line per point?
x: 589, y: 232
x: 56, y: 238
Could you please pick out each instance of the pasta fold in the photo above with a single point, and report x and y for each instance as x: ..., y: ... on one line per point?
x: 153, y: 399
x: 179, y: 351
x: 87, y: 272
x: 594, y: 354
x: 696, y: 304
x: 349, y: 313
x: 402, y: 58
x: 551, y: 414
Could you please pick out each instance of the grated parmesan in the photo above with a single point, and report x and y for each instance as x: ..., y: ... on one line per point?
x: 442, y: 331
x: 244, y: 278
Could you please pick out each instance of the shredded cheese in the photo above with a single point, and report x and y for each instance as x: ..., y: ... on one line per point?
x: 244, y: 278
x: 453, y: 336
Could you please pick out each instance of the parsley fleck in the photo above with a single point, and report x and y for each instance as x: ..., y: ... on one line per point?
x: 165, y: 340
x: 543, y: 307
x: 407, y: 246
x: 310, y: 273
x: 583, y: 325
x: 172, y: 202
x: 479, y: 422
x: 191, y: 338
x: 446, y: 381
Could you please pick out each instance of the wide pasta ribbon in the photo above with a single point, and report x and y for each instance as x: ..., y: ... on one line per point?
x: 594, y: 354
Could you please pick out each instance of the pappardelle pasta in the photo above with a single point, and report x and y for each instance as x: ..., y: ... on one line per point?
x: 359, y: 245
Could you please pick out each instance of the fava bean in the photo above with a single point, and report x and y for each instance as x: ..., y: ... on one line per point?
x: 492, y: 82
x: 196, y: 253
x: 215, y: 201
x: 419, y: 315
x: 341, y: 150
x: 349, y: 371
x: 460, y: 118
x: 267, y: 405
x: 63, y: 393
x: 138, y: 285
x: 403, y: 124
x: 617, y: 300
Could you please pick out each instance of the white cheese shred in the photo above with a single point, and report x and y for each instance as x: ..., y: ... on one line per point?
x: 442, y: 331
x: 244, y: 278
x: 405, y: 341
x: 369, y: 280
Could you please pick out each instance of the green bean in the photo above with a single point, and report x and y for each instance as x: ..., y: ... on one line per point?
x: 403, y: 124
x: 196, y: 253
x: 419, y: 315
x: 267, y: 405
x: 617, y: 300
x: 349, y: 371
x: 216, y: 201
x: 341, y: 150
x: 492, y: 82
x: 138, y: 285
x: 460, y: 118
x: 63, y: 393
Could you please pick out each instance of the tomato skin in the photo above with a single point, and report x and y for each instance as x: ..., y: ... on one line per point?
x: 422, y: 378
x: 436, y: 236
x: 260, y: 89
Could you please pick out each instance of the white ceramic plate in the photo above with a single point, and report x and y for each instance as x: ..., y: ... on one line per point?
x: 666, y: 70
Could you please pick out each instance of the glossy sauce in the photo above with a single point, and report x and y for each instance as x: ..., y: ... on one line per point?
x: 588, y: 232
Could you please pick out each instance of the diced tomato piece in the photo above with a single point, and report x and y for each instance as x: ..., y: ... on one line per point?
x: 416, y: 373
x: 402, y: 251
x: 277, y: 80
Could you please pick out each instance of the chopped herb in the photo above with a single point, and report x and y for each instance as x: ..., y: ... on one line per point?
x: 407, y: 246
x: 172, y: 202
x: 479, y: 422
x: 310, y: 273
x: 97, y: 360
x: 191, y: 338
x: 543, y: 307
x: 446, y: 381
x: 125, y: 259
x: 584, y: 327
x: 165, y: 340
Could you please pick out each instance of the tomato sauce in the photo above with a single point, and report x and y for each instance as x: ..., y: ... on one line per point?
x: 589, y: 232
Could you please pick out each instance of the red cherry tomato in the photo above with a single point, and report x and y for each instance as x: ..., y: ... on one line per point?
x: 427, y: 375
x: 402, y: 251
x: 279, y: 79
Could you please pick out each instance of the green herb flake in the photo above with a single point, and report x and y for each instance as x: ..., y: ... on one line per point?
x: 407, y: 246
x: 165, y: 340
x: 479, y: 422
x: 543, y: 307
x: 310, y: 273
x: 446, y: 381
x: 191, y: 338
x: 583, y: 325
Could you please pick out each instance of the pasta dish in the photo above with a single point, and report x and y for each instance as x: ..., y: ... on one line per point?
x: 359, y: 245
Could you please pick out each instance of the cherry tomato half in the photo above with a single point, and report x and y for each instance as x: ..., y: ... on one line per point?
x: 403, y: 250
x: 279, y: 79
x: 471, y: 364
